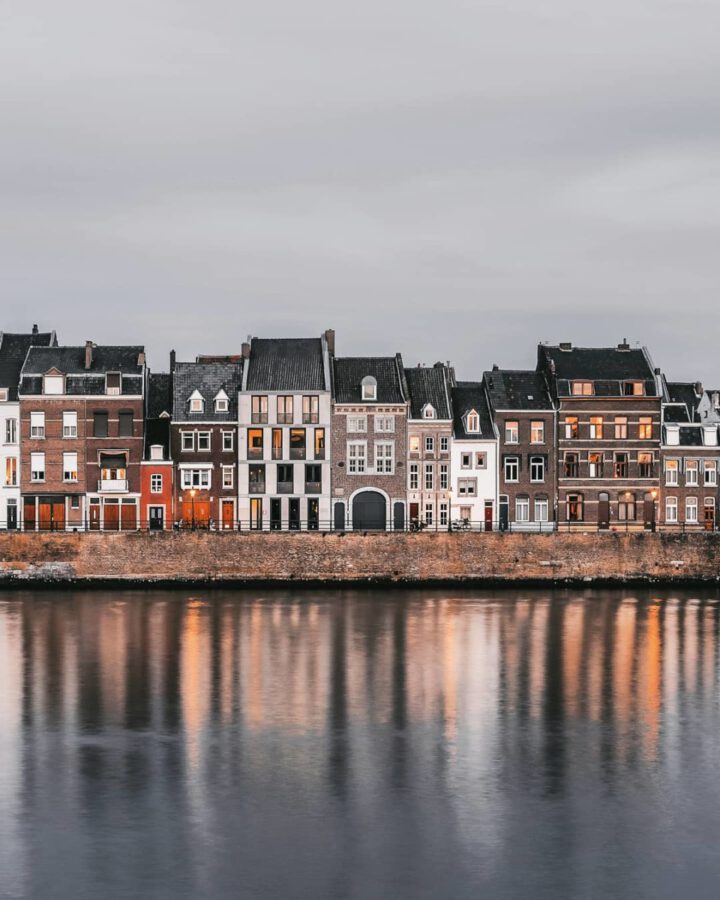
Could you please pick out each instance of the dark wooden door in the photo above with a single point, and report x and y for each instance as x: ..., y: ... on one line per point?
x: 339, y: 517
x: 157, y: 518
x: 228, y: 515
x: 12, y: 518
x: 488, y: 516
x: 649, y: 512
x: 94, y: 517
x: 111, y: 517
x: 128, y: 517
x: 708, y: 518
x: 399, y: 517
x: 369, y: 512
x: 603, y: 511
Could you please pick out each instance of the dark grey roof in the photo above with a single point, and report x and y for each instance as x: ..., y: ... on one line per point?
x: 468, y: 396
x: 690, y: 437
x: 349, y: 372
x: 209, y: 379
x: 517, y: 389
x: 71, y: 360
x: 607, y: 367
x: 13, y: 350
x: 684, y: 392
x: 429, y: 385
x: 675, y: 412
x: 286, y: 364
x: 160, y: 396
x: 157, y: 431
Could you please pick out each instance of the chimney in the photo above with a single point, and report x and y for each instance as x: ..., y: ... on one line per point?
x: 698, y: 389
x: 496, y: 367
x: 172, y: 361
x: 566, y: 345
x: 330, y: 340
x: 88, y: 354
x: 141, y: 358
x: 624, y: 345
x: 245, y: 350
x: 35, y: 329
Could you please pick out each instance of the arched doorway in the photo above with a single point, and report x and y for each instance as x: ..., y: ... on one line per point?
x: 369, y: 511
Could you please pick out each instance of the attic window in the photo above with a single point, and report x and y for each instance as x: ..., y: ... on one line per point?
x: 428, y: 411
x: 3, y: 395
x: 221, y: 402
x: 197, y: 403
x: 582, y: 388
x: 473, y: 422
x: 157, y: 451
x: 634, y: 388
x: 112, y: 383
x: 53, y: 384
x: 368, y: 388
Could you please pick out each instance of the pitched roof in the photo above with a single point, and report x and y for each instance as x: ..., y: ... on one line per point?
x: 429, y: 385
x: 466, y: 397
x: 675, y: 413
x: 13, y: 350
x: 208, y: 379
x: 160, y: 395
x: 286, y: 364
x: 685, y: 393
x: 388, y: 371
x: 71, y: 360
x: 606, y: 367
x: 517, y: 389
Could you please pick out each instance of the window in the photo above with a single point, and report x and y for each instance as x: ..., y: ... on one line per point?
x: 620, y: 465
x: 53, y: 384
x: 228, y: 476
x: 195, y: 478
x: 285, y: 410
x: 467, y: 487
x: 156, y: 483
x: 414, y: 477
x: 466, y: 460
x: 11, y: 431
x: 357, y: 457
x: 311, y: 410
x: 319, y: 443
x: 429, y: 511
x: 197, y: 404
x: 429, y: 444
x: 384, y: 457
x: 541, y: 509
x: 113, y: 382
x: 3, y: 395
x: 710, y: 472
x: 203, y: 440
x: 537, y: 468
x: 277, y: 443
x: 511, y: 468
x: 596, y: 465
x: 672, y: 467
x: 634, y: 388
x: 443, y: 513
x: 444, y: 480
x: 313, y: 479
x: 125, y: 423
x: 228, y: 441
x: 100, y: 424
x: 75, y: 502
x: 70, y: 467
x: 221, y: 404
x: 691, y: 472
x: 671, y: 509
x: 596, y: 428
x: 582, y: 388
x: 358, y: 424
x: 385, y: 424
x: 574, y: 507
x: 511, y: 432
x: 481, y: 460
x: 473, y: 422
x: 37, y: 467
x: 255, y: 443
x: 297, y: 443
x: 645, y: 428
x: 522, y: 509
x: 621, y: 428
x: 429, y: 477
x: 285, y: 478
x: 571, y: 428
x: 444, y: 444
x: 537, y: 432
x: 187, y: 440
x: 11, y: 470
x: 428, y: 411
x: 414, y: 443
x: 259, y: 410
x: 691, y: 510
x: 368, y: 388
x: 571, y: 466
x: 37, y: 424
x: 157, y: 451
x: 645, y: 465
x: 626, y: 507
x: 69, y: 424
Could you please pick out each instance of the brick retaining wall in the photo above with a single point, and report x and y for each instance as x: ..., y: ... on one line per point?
x: 205, y: 557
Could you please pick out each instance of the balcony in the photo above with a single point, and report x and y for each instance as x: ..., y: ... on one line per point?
x: 285, y: 487
x: 297, y: 452
x: 112, y: 485
x: 313, y: 487
x: 257, y: 487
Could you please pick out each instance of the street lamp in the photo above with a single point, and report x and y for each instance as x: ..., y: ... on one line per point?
x: 192, y: 508
x: 654, y: 494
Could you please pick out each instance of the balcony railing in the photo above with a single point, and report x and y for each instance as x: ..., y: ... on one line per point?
x: 313, y: 487
x: 255, y: 452
x: 297, y: 453
x: 257, y: 487
x: 112, y: 485
x: 285, y: 487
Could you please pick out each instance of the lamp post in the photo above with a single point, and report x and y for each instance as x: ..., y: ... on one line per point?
x: 192, y: 509
x: 654, y: 494
x: 449, y: 496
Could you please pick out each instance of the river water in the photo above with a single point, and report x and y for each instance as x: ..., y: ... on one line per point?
x: 359, y: 744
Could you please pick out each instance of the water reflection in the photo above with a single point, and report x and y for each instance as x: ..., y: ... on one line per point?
x: 357, y: 744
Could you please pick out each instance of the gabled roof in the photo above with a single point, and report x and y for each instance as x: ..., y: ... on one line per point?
x: 429, y: 385
x: 13, y: 350
x: 468, y: 396
x: 517, y: 389
x: 160, y: 398
x: 79, y: 381
x: 349, y: 371
x: 286, y: 364
x: 206, y: 378
x: 606, y: 367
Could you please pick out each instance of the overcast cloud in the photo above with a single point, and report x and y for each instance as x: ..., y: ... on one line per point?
x: 455, y: 180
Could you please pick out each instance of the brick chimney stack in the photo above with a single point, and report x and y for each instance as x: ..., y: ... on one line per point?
x: 330, y: 340
x: 172, y: 361
x: 88, y: 354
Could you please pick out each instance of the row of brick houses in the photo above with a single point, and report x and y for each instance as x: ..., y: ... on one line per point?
x: 287, y: 435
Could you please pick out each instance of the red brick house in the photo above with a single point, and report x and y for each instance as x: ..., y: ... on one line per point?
x: 157, y: 488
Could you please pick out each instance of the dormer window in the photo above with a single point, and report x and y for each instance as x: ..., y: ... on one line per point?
x: 222, y: 402
x: 473, y: 422
x: 197, y: 402
x: 3, y: 395
x: 428, y: 411
x: 582, y: 388
x: 157, y: 451
x: 53, y: 383
x: 369, y: 388
x: 112, y: 383
x: 634, y: 388
x: 672, y: 435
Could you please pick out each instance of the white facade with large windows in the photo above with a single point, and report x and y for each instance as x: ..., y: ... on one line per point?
x: 474, y: 461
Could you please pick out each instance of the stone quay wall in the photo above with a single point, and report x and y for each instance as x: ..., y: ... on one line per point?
x: 231, y: 557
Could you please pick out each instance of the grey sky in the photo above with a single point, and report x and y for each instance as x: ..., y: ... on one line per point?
x: 455, y: 180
